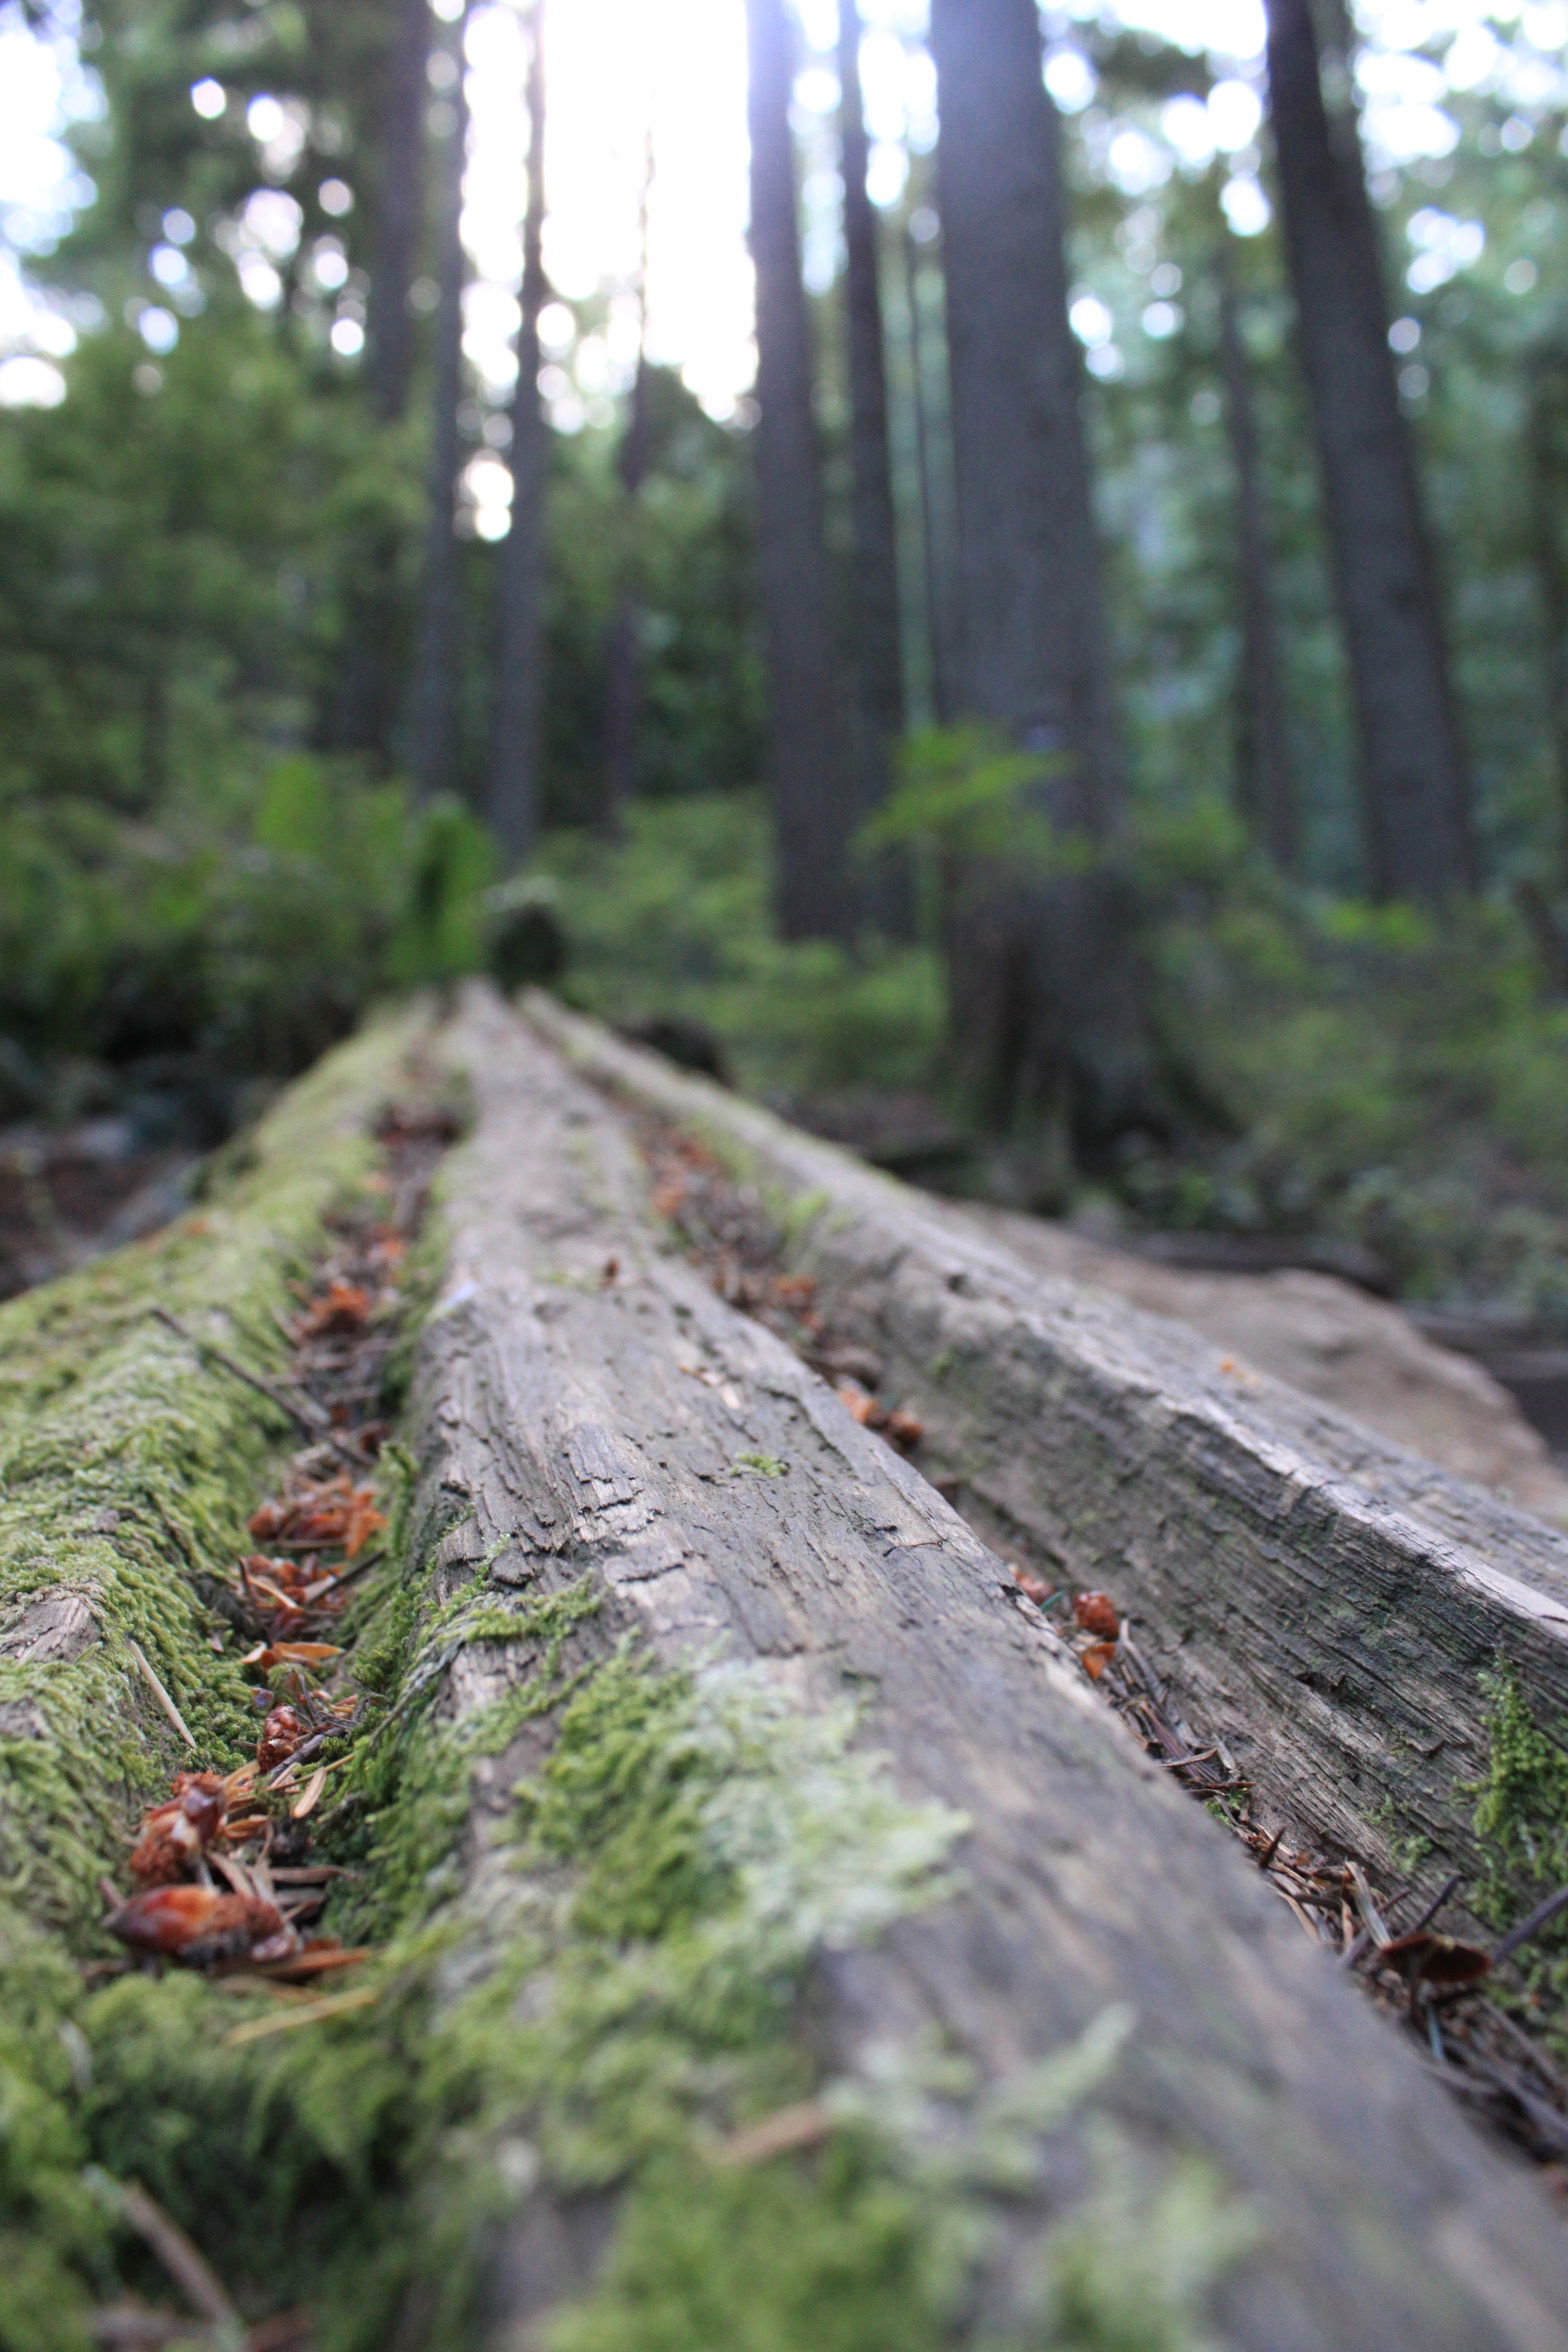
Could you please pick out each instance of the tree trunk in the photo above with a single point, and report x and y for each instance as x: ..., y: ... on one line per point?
x: 1414, y: 786
x: 874, y: 598
x: 1549, y: 504
x: 517, y: 714
x: 623, y: 695
x: 433, y: 697
x: 1268, y: 794
x: 389, y: 325
x: 1045, y: 981
x: 817, y: 888
x: 933, y: 508
x: 364, y: 707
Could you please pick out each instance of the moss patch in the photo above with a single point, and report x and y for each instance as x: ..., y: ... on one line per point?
x: 127, y: 1467
x: 1521, y: 1820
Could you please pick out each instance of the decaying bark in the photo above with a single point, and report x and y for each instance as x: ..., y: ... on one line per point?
x: 587, y: 1406
x: 1329, y: 1605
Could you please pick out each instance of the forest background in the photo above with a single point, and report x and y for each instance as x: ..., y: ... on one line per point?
x: 339, y: 653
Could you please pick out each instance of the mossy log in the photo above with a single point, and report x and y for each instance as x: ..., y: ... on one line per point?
x: 776, y: 1943
x: 591, y: 1417
x: 128, y: 1463
x: 1339, y: 1612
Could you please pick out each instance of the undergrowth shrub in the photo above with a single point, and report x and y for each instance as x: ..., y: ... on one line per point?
x: 247, y: 928
x: 1390, y: 1075
x: 674, y: 923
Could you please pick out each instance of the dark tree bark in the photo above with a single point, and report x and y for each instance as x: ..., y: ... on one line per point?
x: 623, y: 695
x: 1268, y: 796
x: 364, y: 709
x: 817, y: 891
x: 1045, y: 981
x: 1549, y: 502
x: 874, y: 599
x: 389, y: 326
x: 433, y: 697
x: 623, y: 667
x: 1415, y: 790
x: 518, y: 707
x: 933, y: 511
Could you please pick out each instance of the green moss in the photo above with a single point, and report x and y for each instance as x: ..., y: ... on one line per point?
x: 128, y: 1463
x: 1521, y: 1821
x: 1133, y: 2268
x: 831, y: 2257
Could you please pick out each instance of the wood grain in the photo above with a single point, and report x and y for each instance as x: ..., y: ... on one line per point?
x: 1328, y: 1604
x: 576, y: 1421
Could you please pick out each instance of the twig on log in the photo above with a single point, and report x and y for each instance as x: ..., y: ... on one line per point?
x: 309, y: 1418
x: 1531, y: 1924
x: 1438, y: 1900
x: 197, y: 2281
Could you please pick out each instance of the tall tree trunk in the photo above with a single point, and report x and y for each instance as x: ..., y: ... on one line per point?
x: 364, y: 708
x: 433, y: 698
x: 389, y: 326
x: 1549, y: 505
x: 874, y: 599
x: 933, y: 568
x: 1045, y: 980
x: 1268, y: 795
x: 623, y: 685
x: 1415, y: 789
x: 816, y: 887
x: 517, y: 718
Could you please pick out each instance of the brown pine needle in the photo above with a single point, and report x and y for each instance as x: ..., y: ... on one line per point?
x: 256, y: 2029
x: 160, y: 1694
x: 197, y: 2281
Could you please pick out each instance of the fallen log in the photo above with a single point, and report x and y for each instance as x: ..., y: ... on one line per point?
x: 592, y: 1419
x: 132, y: 1440
x: 1347, y: 1620
x: 775, y: 1938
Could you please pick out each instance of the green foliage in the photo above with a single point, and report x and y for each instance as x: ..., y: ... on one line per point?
x: 249, y: 925
x: 675, y: 922
x: 686, y: 552
x: 170, y: 598
x: 962, y: 791
x: 1368, y: 1071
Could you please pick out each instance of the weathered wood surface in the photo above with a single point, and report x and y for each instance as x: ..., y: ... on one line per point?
x: 1318, y: 1333
x: 579, y: 1422
x: 1327, y: 1604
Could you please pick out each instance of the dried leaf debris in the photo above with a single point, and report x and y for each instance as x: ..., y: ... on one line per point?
x: 223, y: 1878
